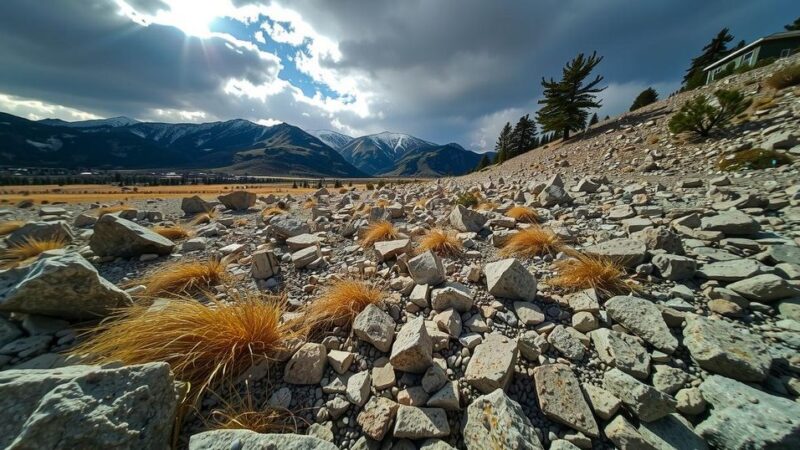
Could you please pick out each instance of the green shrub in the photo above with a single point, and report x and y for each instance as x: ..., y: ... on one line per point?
x: 753, y: 159
x: 789, y: 76
x: 370, y: 187
x: 700, y: 116
x: 467, y: 199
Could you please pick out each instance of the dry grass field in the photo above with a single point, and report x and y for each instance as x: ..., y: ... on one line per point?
x: 86, y: 193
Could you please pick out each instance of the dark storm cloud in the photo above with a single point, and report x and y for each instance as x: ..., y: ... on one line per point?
x: 83, y: 54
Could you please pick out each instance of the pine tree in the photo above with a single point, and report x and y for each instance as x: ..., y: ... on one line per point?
x: 644, y: 98
x: 523, y: 135
x: 794, y: 26
x: 593, y: 120
x: 503, y: 145
x: 713, y: 51
x: 483, y: 163
x: 566, y: 102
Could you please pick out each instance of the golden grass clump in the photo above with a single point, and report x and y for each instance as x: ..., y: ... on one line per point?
x: 243, y: 413
x: 532, y: 242
x: 788, y: 76
x: 27, y: 250
x: 523, y: 214
x: 204, y: 345
x: 10, y: 226
x: 379, y: 231
x: 204, y: 217
x: 310, y: 203
x: 338, y: 305
x: 486, y: 206
x: 443, y: 243
x: 174, y: 232
x: 100, y: 212
x: 184, y: 278
x: 584, y: 272
x: 382, y: 203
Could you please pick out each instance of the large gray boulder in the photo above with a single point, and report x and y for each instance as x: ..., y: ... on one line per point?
x: 465, y: 219
x: 412, y: 350
x: 765, y: 288
x: 496, y: 420
x: 76, y: 407
x: 508, y: 278
x: 426, y: 268
x: 115, y: 236
x: 645, y: 401
x: 561, y: 399
x: 719, y: 347
x: 65, y: 286
x: 41, y: 231
x: 250, y: 440
x: 732, y: 223
x: 284, y: 227
x: 195, y: 205
x: 643, y: 318
x: 492, y: 363
x: 745, y: 418
x: 238, y: 200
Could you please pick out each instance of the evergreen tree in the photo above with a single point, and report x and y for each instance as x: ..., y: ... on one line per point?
x: 566, y: 102
x: 522, y: 138
x: 713, y: 51
x: 593, y: 120
x: 644, y: 98
x: 483, y: 163
x: 794, y: 26
x: 503, y: 145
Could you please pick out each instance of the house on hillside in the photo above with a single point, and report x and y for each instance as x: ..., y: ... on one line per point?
x: 763, y: 50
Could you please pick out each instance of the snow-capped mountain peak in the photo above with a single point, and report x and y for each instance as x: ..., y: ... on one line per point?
x: 333, y: 139
x: 113, y: 122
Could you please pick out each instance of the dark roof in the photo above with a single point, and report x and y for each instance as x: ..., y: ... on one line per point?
x: 771, y: 37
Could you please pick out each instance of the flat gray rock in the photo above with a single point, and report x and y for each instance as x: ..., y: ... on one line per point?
x: 643, y: 318
x: 465, y: 219
x: 628, y: 252
x: 734, y: 270
x: 247, y: 440
x: 492, y: 363
x: 732, y: 223
x: 509, y: 279
x: 420, y: 423
x: 622, y: 351
x: 765, y: 288
x: 115, y: 236
x: 41, y: 231
x: 645, y: 401
x: 495, y: 418
x: 561, y: 399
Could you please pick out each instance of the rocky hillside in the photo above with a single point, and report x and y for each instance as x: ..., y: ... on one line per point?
x: 616, y: 291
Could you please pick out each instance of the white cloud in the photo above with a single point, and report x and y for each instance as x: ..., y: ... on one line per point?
x: 618, y: 97
x: 487, y: 128
x: 268, y: 122
x: 176, y: 115
x: 37, y: 110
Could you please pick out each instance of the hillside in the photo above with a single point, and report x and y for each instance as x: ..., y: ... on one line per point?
x: 443, y: 160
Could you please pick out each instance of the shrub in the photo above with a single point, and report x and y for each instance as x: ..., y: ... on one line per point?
x: 444, y: 243
x: 174, y: 232
x: 789, y: 76
x: 185, y: 278
x: 100, y: 212
x: 370, y: 187
x: 523, y: 214
x: 584, y: 272
x: 379, y: 231
x: 338, y: 306
x: 27, y: 250
x: 532, y: 242
x: 10, y: 226
x: 754, y: 159
x: 700, y: 116
x: 467, y: 199
x: 205, y: 345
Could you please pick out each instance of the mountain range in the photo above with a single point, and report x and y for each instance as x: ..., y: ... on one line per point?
x: 235, y: 146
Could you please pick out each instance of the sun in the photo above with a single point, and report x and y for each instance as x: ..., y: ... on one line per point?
x: 193, y: 17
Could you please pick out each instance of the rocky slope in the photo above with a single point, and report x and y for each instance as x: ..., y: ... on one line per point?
x: 697, y: 349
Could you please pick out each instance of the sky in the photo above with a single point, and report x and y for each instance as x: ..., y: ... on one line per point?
x: 442, y: 70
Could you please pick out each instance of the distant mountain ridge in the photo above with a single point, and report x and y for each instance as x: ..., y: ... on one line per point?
x: 379, y: 153
x: 334, y: 139
x: 120, y: 121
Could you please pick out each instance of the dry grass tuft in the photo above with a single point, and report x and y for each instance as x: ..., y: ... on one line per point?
x: 243, y: 413
x: 788, y: 76
x: 486, y: 206
x: 584, y: 272
x: 379, y: 231
x: 382, y: 203
x: 10, y: 226
x: 421, y: 203
x: 338, y: 306
x: 310, y: 203
x: 18, y: 254
x: 444, y: 243
x: 532, y: 242
x: 174, y: 232
x: 205, y: 217
x: 185, y: 278
x: 203, y: 344
x: 523, y: 214
x: 100, y: 212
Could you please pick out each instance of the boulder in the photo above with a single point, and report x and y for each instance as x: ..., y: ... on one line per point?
x: 65, y: 286
x: 452, y: 295
x: 628, y: 252
x: 561, y: 399
x: 284, y: 227
x: 495, y: 418
x: 41, y: 231
x: 674, y: 267
x: 377, y: 416
x: 375, y: 326
x: 386, y: 250
x: 765, y: 288
x: 563, y: 340
x: 492, y: 363
x: 412, y: 350
x: 115, y: 236
x: 645, y: 401
x: 302, y: 241
x: 307, y: 365
x: 465, y: 219
x: 250, y: 440
x: 420, y: 423
x: 553, y: 195
x: 264, y: 264
x: 719, y: 347
x: 238, y: 200
x: 621, y: 351
x: 625, y: 436
x: 508, y: 278
x: 732, y: 223
x: 644, y: 319
x: 426, y: 268
x: 195, y: 205
x: 88, y: 407
x: 733, y: 270
x: 306, y: 256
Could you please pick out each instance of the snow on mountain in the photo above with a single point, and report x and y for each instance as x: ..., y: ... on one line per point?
x: 400, y: 143
x: 335, y: 140
x: 113, y: 122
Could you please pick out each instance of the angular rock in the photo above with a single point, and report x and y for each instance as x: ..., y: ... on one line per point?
x: 494, y: 418
x: 561, y: 399
x: 426, y: 268
x: 447, y: 398
x: 645, y: 401
x: 625, y: 436
x: 735, y: 270
x: 195, y: 205
x: 377, y: 416
x: 603, y: 403
x: 628, y: 252
x: 420, y: 423
x: 764, y: 288
x: 246, y: 440
x: 452, y: 295
x: 412, y: 350
x: 284, y: 227
x: 88, y: 407
x: 41, y: 231
x: 722, y: 348
x: 492, y: 363
x: 465, y: 219
x: 302, y: 258
x: 65, y: 286
x: 585, y: 300
x: 566, y: 343
x: 508, y: 278
x: 732, y: 223
x: 386, y: 250
x: 238, y: 200
x: 669, y: 379
x: 115, y: 236
x: 302, y: 241
x: 375, y: 326
x: 358, y: 388
x: 528, y: 313
x: 264, y: 264
x: 674, y: 267
x: 643, y: 318
x: 621, y: 351
x: 307, y: 365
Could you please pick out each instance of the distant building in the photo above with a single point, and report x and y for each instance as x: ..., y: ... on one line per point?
x: 774, y: 46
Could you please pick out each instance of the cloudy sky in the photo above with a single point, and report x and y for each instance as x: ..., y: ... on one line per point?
x: 443, y: 70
